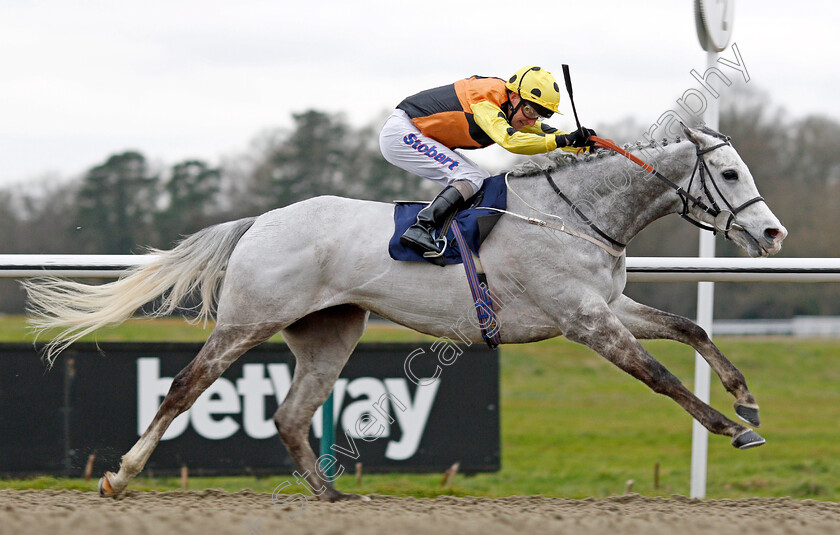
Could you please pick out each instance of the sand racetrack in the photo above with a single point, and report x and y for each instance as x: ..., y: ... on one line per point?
x: 53, y: 512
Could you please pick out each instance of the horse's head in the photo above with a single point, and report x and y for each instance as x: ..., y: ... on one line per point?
x: 724, y: 183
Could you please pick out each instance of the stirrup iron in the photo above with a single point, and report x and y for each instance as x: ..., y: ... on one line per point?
x: 438, y: 240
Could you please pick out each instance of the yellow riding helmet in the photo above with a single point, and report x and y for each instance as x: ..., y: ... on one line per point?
x: 537, y: 85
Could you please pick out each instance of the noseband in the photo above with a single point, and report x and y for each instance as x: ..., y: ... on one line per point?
x: 714, y: 210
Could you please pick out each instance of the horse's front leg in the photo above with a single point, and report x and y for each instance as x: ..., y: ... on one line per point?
x: 648, y: 323
x: 597, y: 327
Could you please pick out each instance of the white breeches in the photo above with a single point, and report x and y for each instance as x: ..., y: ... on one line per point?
x: 403, y: 145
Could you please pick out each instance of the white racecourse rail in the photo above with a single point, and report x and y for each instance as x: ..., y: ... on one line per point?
x: 639, y: 269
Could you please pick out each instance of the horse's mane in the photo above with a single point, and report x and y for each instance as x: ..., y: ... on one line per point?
x: 558, y: 158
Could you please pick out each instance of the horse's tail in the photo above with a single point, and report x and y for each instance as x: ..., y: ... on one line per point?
x: 197, y: 263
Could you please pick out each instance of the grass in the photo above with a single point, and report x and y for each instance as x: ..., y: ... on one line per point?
x: 575, y: 426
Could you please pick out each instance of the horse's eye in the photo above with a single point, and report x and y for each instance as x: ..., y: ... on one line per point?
x: 730, y: 174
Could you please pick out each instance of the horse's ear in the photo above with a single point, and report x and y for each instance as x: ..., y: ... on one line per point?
x: 690, y: 134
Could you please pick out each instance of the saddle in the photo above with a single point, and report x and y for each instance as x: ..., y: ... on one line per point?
x: 474, y: 220
x: 469, y: 227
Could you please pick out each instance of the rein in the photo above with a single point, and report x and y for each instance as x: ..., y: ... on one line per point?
x: 686, y: 197
x: 580, y: 214
x: 541, y: 223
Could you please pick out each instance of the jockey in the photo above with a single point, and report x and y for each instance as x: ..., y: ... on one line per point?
x: 472, y: 113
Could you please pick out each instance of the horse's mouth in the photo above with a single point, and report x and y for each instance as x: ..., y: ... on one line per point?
x: 753, y: 246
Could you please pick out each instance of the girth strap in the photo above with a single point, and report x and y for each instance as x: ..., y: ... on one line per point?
x: 490, y: 328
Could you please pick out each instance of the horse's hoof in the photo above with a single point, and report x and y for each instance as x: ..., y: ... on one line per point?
x: 748, y: 414
x: 748, y: 439
x: 105, y: 488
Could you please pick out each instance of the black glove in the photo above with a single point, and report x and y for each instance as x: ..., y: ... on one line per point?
x: 579, y: 138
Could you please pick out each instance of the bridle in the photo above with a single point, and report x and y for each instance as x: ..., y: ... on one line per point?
x: 723, y: 220
x: 714, y: 210
x: 687, y: 198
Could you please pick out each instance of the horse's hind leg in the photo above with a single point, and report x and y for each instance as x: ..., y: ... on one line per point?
x: 597, y: 327
x: 648, y: 323
x: 322, y: 342
x: 223, y: 347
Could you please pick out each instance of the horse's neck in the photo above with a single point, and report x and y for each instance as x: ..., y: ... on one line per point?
x: 615, y: 194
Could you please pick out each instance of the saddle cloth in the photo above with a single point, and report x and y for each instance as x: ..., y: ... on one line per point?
x: 475, y: 223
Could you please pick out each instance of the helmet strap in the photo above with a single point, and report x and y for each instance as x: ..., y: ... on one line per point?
x: 519, y: 93
x: 514, y: 109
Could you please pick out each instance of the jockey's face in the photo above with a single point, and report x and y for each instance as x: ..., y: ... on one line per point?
x: 519, y: 119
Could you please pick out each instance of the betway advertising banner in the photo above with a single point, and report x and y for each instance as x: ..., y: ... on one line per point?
x: 397, y: 407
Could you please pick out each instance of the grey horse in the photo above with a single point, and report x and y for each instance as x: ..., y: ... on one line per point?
x: 290, y: 271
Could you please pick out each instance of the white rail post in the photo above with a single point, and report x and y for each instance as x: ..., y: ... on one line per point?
x: 714, y: 29
x: 705, y: 318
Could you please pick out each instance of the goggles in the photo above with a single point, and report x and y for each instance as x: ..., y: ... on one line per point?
x: 534, y: 111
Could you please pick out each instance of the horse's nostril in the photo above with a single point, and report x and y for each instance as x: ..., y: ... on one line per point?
x: 772, y: 233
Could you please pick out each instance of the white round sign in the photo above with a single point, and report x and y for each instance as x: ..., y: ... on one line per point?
x: 714, y: 23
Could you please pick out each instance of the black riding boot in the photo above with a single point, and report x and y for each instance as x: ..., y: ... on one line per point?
x: 419, y: 235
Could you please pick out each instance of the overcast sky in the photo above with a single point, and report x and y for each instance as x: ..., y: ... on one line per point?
x: 200, y: 79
